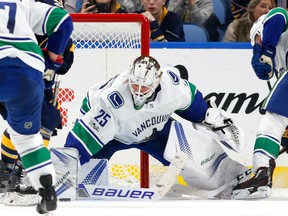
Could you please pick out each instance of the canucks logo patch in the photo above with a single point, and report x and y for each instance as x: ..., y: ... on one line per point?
x: 116, y: 99
x: 174, y: 77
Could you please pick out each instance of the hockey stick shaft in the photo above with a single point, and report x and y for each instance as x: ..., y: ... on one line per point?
x: 56, y: 90
x: 269, y: 85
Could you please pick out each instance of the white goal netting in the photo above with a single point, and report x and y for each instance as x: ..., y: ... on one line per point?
x: 108, y: 44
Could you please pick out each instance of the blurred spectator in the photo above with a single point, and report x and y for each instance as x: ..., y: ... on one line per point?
x: 196, y: 11
x: 131, y: 5
x: 164, y: 25
x: 72, y: 6
x: 282, y: 3
x: 93, y: 6
x: 199, y: 12
x: 239, y: 30
x: 229, y: 13
x: 239, y: 8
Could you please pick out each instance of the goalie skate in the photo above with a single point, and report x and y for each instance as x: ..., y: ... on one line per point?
x: 250, y: 193
x: 257, y: 187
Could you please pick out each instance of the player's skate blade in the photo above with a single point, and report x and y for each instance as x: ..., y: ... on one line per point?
x: 18, y: 199
x: 243, y: 194
x: 47, y: 195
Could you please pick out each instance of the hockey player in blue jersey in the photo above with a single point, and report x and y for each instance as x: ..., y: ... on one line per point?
x: 269, y: 37
x: 50, y: 114
x: 11, y: 168
x: 22, y: 64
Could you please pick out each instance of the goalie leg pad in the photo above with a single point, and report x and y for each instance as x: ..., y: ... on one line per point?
x: 66, y: 163
x: 208, y: 166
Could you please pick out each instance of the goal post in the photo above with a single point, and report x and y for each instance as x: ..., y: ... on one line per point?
x: 121, y: 18
x: 115, y: 40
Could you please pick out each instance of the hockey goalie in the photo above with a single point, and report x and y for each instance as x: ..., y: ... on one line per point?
x: 195, y: 151
x: 202, y: 162
x: 133, y: 110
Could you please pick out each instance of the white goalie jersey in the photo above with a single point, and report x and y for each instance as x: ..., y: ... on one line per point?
x: 108, y: 110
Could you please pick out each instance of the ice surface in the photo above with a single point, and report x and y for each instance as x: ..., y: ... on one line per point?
x: 276, y: 205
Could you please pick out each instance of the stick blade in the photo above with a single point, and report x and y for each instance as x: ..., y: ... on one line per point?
x: 170, y: 176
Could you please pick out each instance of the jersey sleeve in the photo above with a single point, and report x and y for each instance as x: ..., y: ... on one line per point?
x: 274, y: 25
x: 55, y: 22
x: 188, y: 100
x: 46, y: 19
x: 196, y: 110
x: 95, y: 125
x: 95, y: 128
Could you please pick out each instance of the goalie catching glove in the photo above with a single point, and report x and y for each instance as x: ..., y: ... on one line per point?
x: 220, y: 122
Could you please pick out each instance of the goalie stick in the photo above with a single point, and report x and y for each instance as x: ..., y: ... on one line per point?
x: 157, y: 192
x: 169, y: 177
x: 212, y: 193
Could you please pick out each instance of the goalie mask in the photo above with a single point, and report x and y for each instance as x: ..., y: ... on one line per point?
x: 144, y: 78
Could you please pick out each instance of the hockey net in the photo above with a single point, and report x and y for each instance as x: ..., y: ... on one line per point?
x: 115, y: 40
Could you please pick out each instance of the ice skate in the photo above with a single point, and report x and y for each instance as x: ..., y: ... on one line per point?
x: 258, y: 186
x: 22, y: 195
x: 47, y: 195
x: 19, y: 191
x: 3, y: 178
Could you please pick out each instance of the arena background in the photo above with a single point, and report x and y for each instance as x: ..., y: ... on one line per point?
x: 220, y: 70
